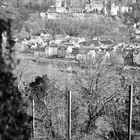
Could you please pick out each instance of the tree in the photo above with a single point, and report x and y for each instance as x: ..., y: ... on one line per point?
x: 14, y: 123
x: 99, y: 86
x: 49, y: 106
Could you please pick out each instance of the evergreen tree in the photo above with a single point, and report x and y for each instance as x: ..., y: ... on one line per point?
x: 14, y: 123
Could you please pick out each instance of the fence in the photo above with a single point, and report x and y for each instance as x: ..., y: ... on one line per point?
x: 65, y: 125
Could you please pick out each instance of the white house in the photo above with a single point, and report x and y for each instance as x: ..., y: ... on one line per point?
x: 124, y: 9
x: 51, y: 50
x: 114, y: 9
x: 87, y: 8
x: 81, y: 40
x: 79, y: 57
x: 69, y: 50
x: 34, y: 46
x: 43, y: 15
x: 136, y: 56
x: 91, y: 55
x: 51, y: 16
x: 115, y: 48
x: 107, y: 55
x: 39, y: 40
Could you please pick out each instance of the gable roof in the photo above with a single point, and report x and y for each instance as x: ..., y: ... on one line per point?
x: 38, y: 50
x: 90, y: 42
x: 62, y: 47
x: 106, y: 42
x: 53, y: 46
x: 84, y: 50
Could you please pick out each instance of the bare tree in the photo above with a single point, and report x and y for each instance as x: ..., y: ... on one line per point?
x: 99, y: 85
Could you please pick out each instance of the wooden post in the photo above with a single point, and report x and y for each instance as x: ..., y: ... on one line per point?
x: 33, y: 125
x: 130, y: 111
x: 69, y: 115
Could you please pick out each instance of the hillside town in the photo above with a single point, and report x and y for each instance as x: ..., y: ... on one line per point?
x: 43, y: 44
x: 79, y: 48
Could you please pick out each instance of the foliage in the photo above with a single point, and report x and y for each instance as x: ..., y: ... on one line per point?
x: 23, y: 34
x: 34, y: 24
x: 86, y: 28
x: 132, y: 16
x: 14, y: 123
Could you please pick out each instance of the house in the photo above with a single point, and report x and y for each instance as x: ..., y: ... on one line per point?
x: 39, y: 52
x: 75, y: 44
x: 81, y: 39
x: 107, y: 55
x: 61, y: 6
x: 79, y: 15
x: 136, y: 56
x: 114, y: 9
x: 91, y: 55
x: 76, y: 10
x: 51, y: 50
x: 83, y: 54
x: 43, y: 15
x: 72, y: 54
x: 137, y: 34
x: 94, y: 5
x: 97, y: 5
x: 61, y: 51
x: 76, y: 6
x: 51, y: 16
x: 51, y: 13
x: 124, y: 9
x: 107, y: 44
x: 69, y: 48
x: 128, y: 56
x: 51, y: 9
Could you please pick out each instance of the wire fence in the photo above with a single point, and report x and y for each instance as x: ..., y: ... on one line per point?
x: 119, y: 122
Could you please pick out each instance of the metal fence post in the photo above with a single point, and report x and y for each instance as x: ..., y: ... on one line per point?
x: 130, y: 111
x: 33, y: 125
x: 69, y: 115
